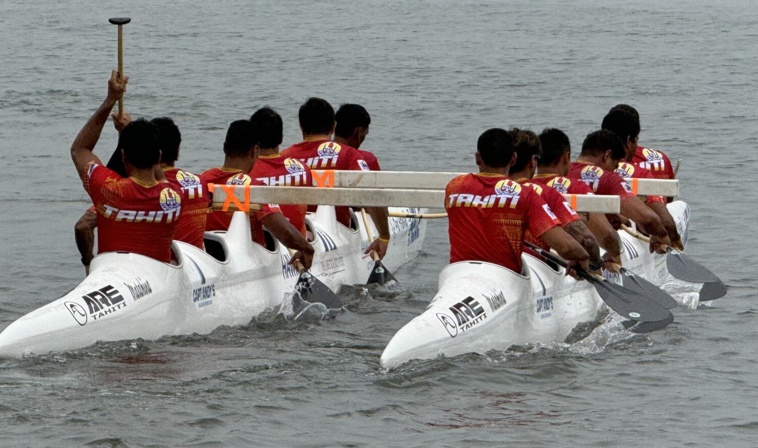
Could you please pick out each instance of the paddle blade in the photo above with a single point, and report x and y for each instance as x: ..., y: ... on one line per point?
x: 381, y: 275
x: 647, y: 327
x: 685, y: 268
x: 712, y: 291
x: 643, y: 287
x: 628, y: 303
x: 314, y: 290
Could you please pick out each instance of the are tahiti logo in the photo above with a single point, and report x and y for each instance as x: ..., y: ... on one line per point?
x: 591, y: 173
x: 560, y: 183
x: 293, y: 166
x: 507, y: 187
x: 625, y: 170
x: 651, y: 155
x: 329, y: 149
x: 239, y: 179
x: 170, y: 200
x: 186, y: 179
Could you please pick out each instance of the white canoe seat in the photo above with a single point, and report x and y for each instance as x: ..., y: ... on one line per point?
x: 215, y: 246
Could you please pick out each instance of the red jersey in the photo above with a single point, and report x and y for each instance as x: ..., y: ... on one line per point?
x: 488, y: 215
x: 326, y: 154
x: 219, y: 220
x: 601, y: 182
x: 132, y: 216
x: 558, y: 205
x: 195, y: 206
x: 277, y: 170
x: 562, y: 185
x: 370, y: 159
x: 656, y: 161
x: 632, y: 171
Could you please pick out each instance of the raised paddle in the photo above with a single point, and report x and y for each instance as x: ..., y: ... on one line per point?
x: 379, y: 274
x: 683, y: 267
x: 313, y: 290
x: 628, y: 303
x: 120, y: 22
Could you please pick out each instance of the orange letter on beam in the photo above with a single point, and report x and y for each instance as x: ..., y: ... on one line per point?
x: 323, y: 178
x: 231, y: 197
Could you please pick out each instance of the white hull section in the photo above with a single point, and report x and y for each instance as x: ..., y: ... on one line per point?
x: 129, y: 296
x: 481, y: 306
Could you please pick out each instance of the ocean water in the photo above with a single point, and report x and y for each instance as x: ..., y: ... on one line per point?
x: 434, y: 74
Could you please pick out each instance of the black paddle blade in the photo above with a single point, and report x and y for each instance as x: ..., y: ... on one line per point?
x: 628, y: 303
x: 712, y: 291
x: 119, y: 20
x: 381, y: 275
x: 643, y: 287
x: 685, y: 268
x: 314, y: 290
x: 647, y: 327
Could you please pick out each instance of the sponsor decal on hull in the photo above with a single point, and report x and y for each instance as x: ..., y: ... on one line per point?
x: 545, y: 307
x: 463, y: 316
x: 97, y: 304
x: 496, y: 300
x: 333, y: 265
x: 288, y: 271
x: 139, y: 289
x: 203, y: 295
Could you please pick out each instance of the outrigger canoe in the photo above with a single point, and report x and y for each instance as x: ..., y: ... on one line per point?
x: 481, y: 306
x: 129, y: 296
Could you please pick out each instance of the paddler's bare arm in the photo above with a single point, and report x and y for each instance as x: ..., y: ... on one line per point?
x: 607, y: 238
x: 567, y: 247
x: 636, y: 210
x: 579, y: 231
x: 380, y: 216
x: 288, y: 235
x: 85, y: 141
x: 667, y: 220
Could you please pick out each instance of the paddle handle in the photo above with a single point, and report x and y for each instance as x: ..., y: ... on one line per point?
x: 563, y: 263
x: 635, y: 233
x: 121, y: 67
x: 299, y: 266
x: 374, y: 256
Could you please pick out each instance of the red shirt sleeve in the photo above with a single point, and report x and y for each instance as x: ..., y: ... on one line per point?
x: 540, y: 217
x: 612, y: 183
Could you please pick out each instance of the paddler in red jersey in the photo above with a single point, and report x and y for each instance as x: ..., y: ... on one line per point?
x: 273, y: 169
x: 656, y: 161
x: 319, y: 151
x: 137, y: 214
x: 240, y: 153
x: 627, y: 128
x: 488, y: 213
x: 553, y: 166
x: 601, y: 153
x: 528, y: 152
x: 352, y: 126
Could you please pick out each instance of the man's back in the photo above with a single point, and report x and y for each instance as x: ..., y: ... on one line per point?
x: 276, y: 170
x: 195, y: 206
x: 656, y: 161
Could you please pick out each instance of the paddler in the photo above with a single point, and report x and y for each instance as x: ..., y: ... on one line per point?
x: 554, y: 165
x: 353, y: 121
x: 319, y: 151
x: 601, y: 153
x: 489, y: 213
x: 138, y: 214
x: 627, y: 128
x: 654, y: 160
x: 273, y: 169
x: 528, y: 152
x: 240, y: 153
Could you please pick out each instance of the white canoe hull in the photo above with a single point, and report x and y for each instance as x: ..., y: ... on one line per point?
x: 129, y: 296
x: 482, y: 306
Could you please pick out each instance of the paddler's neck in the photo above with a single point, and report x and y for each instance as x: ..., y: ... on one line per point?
x: 592, y: 160
x: 485, y: 169
x: 346, y: 141
x: 521, y: 176
x: 244, y: 164
x: 314, y: 137
x: 143, y: 176
x: 267, y: 152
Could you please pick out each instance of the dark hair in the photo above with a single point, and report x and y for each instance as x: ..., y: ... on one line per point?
x: 627, y: 108
x: 349, y: 117
x: 527, y: 145
x: 240, y: 138
x: 554, y: 144
x: 169, y: 138
x: 495, y: 146
x: 269, y: 127
x: 596, y: 143
x: 623, y: 124
x: 139, y: 141
x: 316, y: 116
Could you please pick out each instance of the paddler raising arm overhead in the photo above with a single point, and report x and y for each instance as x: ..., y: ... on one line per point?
x: 553, y: 168
x: 601, y: 153
x: 240, y: 153
x: 528, y: 152
x: 137, y: 214
x: 488, y: 213
x: 318, y: 151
